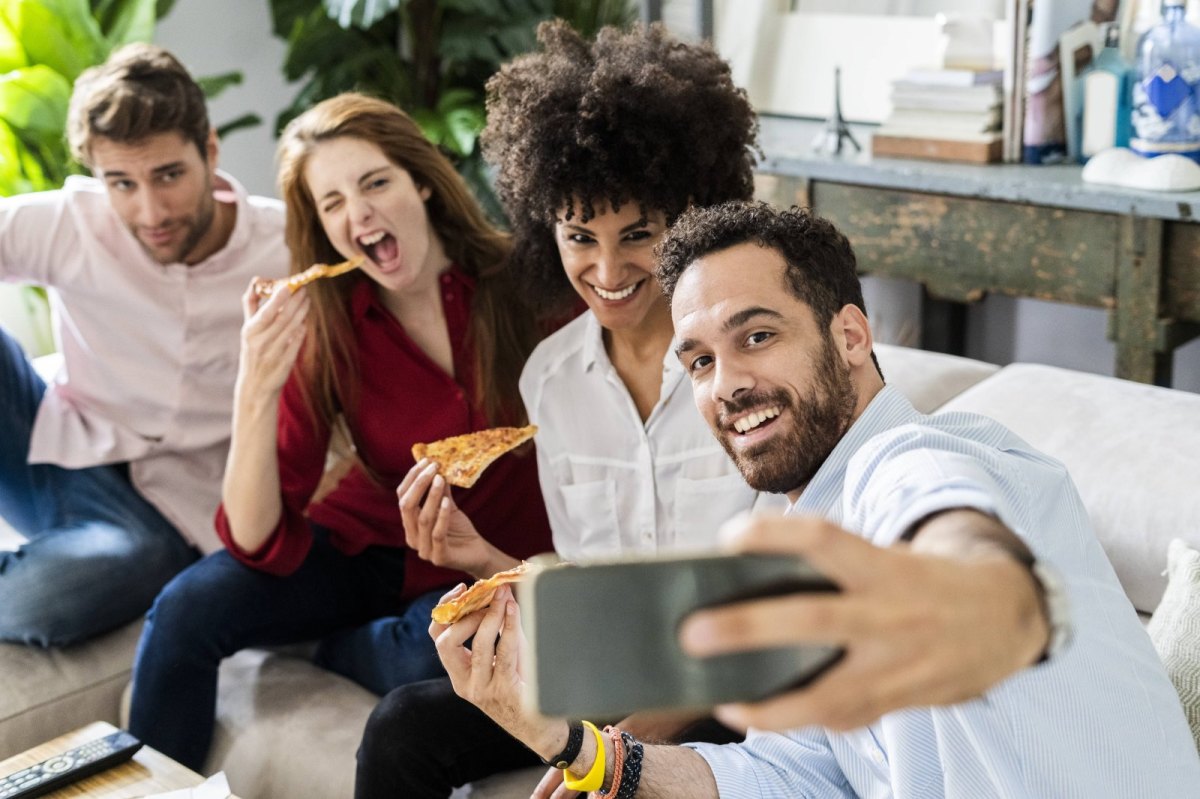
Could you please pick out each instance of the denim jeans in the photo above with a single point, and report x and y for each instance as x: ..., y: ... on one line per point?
x: 98, y: 552
x: 219, y: 606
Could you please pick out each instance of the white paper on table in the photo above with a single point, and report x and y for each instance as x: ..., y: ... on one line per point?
x: 215, y: 787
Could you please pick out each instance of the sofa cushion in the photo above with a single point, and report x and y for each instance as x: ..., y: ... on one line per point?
x: 1175, y: 629
x: 929, y: 379
x: 47, y: 692
x: 286, y: 728
x: 1133, y: 451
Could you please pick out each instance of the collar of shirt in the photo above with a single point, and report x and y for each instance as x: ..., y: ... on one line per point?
x: 823, y: 494
x: 364, y: 296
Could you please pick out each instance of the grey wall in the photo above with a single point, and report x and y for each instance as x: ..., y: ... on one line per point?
x: 213, y: 36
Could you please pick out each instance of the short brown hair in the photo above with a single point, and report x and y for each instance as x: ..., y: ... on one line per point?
x: 140, y: 91
x: 821, y: 270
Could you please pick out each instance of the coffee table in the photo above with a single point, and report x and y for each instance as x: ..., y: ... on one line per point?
x: 148, y: 772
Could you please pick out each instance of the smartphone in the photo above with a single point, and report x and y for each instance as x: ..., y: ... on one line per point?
x: 602, y: 640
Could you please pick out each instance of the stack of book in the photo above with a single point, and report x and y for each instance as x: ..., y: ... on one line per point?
x: 944, y: 114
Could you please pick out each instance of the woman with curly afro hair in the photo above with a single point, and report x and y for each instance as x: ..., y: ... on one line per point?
x: 598, y: 147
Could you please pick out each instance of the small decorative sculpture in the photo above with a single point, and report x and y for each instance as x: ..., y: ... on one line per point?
x: 829, y: 140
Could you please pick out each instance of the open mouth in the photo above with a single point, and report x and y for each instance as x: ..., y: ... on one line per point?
x: 380, y: 247
x: 620, y: 294
x: 756, y: 419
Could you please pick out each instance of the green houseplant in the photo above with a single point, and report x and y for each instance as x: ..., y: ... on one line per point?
x: 430, y: 57
x: 44, y: 46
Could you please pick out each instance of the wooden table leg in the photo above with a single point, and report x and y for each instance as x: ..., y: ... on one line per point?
x: 1139, y: 302
x: 943, y: 325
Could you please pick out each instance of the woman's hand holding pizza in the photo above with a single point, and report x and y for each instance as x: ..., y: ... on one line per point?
x: 438, y: 530
x: 272, y: 333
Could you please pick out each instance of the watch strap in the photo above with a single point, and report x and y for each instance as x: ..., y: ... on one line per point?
x: 1057, y: 608
x: 571, y: 751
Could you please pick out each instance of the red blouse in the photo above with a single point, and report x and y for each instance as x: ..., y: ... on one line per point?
x: 404, y: 398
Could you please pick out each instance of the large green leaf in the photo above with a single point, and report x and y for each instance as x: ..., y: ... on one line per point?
x: 213, y: 85
x: 34, y: 99
x: 491, y: 39
x: 62, y: 34
x: 285, y: 13
x: 359, y: 13
x: 244, y: 121
x: 125, y: 21
x: 12, y: 52
x: 589, y: 16
x: 12, y: 178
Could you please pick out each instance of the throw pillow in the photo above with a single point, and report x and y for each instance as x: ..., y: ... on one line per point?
x: 1175, y: 628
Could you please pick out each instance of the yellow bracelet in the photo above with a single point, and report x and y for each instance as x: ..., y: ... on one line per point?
x: 594, y: 779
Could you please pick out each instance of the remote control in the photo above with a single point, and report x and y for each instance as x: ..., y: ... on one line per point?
x: 71, y: 766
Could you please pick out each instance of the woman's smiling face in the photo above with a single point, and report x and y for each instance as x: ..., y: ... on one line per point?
x: 370, y: 206
x: 609, y: 260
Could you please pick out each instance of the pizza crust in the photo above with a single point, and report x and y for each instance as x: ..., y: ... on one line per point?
x: 479, y: 595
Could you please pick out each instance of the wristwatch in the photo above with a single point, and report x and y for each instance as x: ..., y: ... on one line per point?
x: 1057, y: 607
x: 571, y: 751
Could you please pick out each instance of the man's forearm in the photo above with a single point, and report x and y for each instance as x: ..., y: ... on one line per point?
x: 667, y: 771
x: 675, y: 772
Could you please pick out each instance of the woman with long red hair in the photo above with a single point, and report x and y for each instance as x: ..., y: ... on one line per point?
x: 426, y: 340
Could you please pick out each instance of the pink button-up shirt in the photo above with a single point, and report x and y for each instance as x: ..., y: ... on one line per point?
x: 150, y: 351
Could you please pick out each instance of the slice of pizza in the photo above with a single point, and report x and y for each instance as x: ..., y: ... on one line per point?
x: 461, y: 459
x: 265, y: 288
x: 479, y: 595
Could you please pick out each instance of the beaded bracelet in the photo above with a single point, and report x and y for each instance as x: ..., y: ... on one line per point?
x: 631, y: 775
x: 618, y: 739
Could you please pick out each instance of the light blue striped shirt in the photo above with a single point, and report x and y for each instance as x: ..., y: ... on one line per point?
x: 1100, y: 720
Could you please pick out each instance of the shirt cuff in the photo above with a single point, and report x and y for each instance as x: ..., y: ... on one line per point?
x: 954, y: 498
x: 732, y: 768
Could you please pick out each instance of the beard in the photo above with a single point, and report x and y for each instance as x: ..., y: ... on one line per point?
x: 196, y: 226
x: 791, y: 457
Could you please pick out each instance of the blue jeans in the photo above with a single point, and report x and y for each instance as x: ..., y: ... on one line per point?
x: 219, y: 606
x: 98, y: 552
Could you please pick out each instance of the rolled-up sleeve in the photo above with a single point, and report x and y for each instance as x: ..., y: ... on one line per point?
x: 768, y: 765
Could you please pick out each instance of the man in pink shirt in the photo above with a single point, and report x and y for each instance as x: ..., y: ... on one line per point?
x: 113, y: 471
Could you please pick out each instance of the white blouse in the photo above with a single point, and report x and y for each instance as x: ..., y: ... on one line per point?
x: 614, y: 485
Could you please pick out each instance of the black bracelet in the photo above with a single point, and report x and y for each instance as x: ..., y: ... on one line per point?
x: 632, y: 774
x: 571, y: 751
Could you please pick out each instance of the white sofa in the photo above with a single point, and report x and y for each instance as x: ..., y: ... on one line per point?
x: 287, y: 729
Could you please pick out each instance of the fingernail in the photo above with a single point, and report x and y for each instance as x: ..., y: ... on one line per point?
x: 437, y: 481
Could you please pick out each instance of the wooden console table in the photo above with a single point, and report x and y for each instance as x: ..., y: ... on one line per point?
x: 964, y: 230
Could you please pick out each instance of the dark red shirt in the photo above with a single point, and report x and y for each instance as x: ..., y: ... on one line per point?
x: 404, y: 398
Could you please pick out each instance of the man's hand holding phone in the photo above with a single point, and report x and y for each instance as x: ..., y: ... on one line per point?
x: 920, y: 625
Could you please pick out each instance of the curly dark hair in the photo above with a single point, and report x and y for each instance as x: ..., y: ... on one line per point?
x: 635, y: 116
x: 822, y: 271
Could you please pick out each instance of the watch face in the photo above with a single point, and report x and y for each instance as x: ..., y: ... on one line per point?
x: 1057, y: 607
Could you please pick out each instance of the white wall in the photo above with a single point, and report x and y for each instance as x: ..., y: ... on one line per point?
x: 214, y: 36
